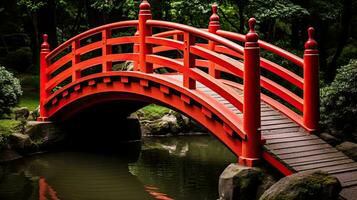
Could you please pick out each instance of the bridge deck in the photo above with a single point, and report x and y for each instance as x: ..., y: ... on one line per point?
x: 296, y: 149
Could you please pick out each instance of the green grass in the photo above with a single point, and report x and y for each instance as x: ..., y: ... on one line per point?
x: 30, y: 87
x: 8, y: 126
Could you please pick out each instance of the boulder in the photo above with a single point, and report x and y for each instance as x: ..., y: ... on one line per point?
x: 314, y: 185
x: 243, y: 183
x: 19, y: 141
x: 44, y: 134
x: 332, y: 140
x: 21, y: 113
x: 348, y: 148
x: 8, y: 155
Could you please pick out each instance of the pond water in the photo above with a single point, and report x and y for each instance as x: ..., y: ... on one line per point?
x: 182, y: 167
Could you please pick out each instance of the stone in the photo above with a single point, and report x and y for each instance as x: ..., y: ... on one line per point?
x: 348, y: 148
x: 243, y: 183
x: 44, y: 134
x: 8, y: 155
x: 21, y: 113
x: 332, y: 140
x: 19, y: 141
x: 315, y: 185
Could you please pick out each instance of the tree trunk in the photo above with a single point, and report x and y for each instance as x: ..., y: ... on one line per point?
x: 47, y: 23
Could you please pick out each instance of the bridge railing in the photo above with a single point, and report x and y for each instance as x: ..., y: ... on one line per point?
x: 302, y: 109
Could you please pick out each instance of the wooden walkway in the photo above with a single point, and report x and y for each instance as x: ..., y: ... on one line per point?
x: 296, y: 149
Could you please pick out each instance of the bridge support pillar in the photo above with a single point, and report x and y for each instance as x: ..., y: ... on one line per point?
x: 311, y: 83
x: 45, y: 50
x: 251, y: 146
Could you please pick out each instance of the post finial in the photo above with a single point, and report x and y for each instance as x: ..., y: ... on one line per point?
x: 311, y: 42
x: 251, y: 36
x: 214, y: 16
x: 144, y: 6
x: 45, y: 46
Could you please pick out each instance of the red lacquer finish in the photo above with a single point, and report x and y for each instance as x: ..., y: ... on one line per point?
x: 66, y: 90
x: 251, y: 148
x: 311, y: 83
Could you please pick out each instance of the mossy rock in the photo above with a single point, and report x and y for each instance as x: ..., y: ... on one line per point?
x: 304, y: 185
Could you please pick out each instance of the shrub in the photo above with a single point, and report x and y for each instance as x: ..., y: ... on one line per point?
x: 10, y: 91
x: 339, y: 103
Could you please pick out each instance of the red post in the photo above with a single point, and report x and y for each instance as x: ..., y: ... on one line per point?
x: 45, y: 50
x: 213, y: 26
x: 106, y: 50
x: 144, y: 30
x: 76, y: 74
x: 188, y: 61
x: 251, y: 147
x: 311, y: 83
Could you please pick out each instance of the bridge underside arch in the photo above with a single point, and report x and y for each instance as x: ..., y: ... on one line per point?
x: 136, y: 90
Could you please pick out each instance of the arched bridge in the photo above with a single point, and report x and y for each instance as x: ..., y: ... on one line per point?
x: 254, y: 106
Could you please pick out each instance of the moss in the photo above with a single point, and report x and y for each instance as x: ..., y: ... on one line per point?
x: 9, y: 126
x: 153, y: 111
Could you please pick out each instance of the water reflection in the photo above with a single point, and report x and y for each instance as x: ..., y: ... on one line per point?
x: 168, y: 168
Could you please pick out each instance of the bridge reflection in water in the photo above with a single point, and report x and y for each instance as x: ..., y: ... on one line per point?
x: 185, y: 167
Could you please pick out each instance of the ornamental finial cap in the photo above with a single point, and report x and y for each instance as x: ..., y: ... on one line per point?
x: 252, y: 36
x: 144, y: 5
x: 45, y: 44
x: 214, y: 16
x: 311, y: 42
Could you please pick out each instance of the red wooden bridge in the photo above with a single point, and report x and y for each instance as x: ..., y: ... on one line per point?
x: 257, y: 108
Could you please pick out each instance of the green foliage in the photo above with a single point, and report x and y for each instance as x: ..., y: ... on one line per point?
x: 10, y: 91
x: 276, y: 9
x: 339, y: 102
x: 20, y: 60
x: 31, y: 5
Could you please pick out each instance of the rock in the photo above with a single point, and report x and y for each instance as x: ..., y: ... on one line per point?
x: 348, y: 148
x: 332, y: 140
x: 43, y: 134
x: 314, y: 185
x: 21, y: 113
x: 243, y: 183
x: 19, y: 141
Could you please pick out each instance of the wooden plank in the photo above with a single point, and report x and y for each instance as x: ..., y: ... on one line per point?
x: 322, y: 164
x: 281, y: 131
x: 337, y: 168
x: 270, y: 113
x: 279, y: 126
x: 267, y: 118
x: 319, y: 161
x: 347, y: 178
x: 291, y: 139
x: 353, y: 168
x: 308, y: 153
x: 298, y: 149
x: 314, y: 158
x: 278, y: 121
x: 283, y: 135
x: 295, y: 144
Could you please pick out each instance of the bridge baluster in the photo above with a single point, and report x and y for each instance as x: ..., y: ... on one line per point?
x: 45, y: 50
x: 311, y: 83
x: 251, y: 148
x: 213, y: 26
x: 76, y: 73
x: 188, y: 61
x: 136, y: 50
x: 144, y: 30
x: 106, y: 50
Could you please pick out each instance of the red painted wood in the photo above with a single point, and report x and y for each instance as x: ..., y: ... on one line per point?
x: 239, y: 116
x: 251, y: 148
